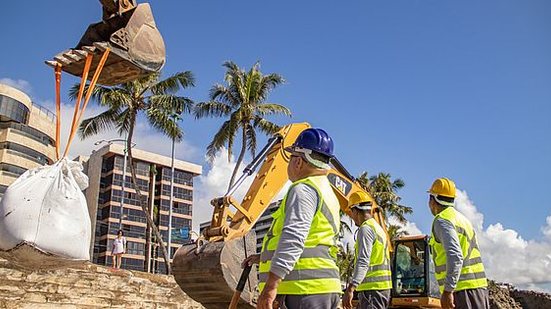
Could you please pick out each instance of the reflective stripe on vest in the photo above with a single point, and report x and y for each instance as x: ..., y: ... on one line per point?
x: 378, y: 276
x: 472, y: 274
x: 316, y: 271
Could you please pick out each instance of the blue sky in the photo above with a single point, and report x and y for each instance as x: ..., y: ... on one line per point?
x: 419, y: 89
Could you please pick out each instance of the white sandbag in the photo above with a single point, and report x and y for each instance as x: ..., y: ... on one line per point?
x: 45, y: 209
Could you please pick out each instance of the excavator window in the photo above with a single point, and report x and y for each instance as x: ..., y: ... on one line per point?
x: 413, y: 270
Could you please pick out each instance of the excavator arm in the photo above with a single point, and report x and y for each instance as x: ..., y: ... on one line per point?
x: 271, y: 177
x: 202, y: 270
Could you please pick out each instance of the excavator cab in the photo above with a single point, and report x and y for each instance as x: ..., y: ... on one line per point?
x: 129, y: 32
x: 413, y: 279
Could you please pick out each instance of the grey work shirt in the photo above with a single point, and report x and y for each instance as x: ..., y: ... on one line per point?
x: 445, y: 234
x: 365, y: 240
x: 300, y: 208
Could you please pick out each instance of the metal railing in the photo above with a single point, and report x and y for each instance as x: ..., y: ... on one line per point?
x: 44, y: 110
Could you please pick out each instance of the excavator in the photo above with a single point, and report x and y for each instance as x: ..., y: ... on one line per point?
x: 209, y: 269
x: 128, y: 31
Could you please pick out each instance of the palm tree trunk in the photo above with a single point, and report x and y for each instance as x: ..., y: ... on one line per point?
x: 240, y: 158
x: 143, y: 204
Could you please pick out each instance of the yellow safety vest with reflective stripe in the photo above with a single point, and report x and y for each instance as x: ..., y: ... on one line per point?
x: 316, y: 271
x: 472, y: 272
x: 378, y: 276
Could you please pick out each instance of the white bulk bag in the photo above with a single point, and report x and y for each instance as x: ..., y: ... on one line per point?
x: 44, y: 216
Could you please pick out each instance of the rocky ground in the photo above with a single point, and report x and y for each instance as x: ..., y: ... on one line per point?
x: 88, y: 286
x: 506, y: 296
x: 93, y: 286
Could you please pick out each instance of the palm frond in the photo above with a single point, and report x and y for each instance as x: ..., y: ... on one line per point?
x: 125, y: 118
x: 163, y: 121
x: 265, y: 126
x: 212, y: 109
x: 251, y: 139
x: 105, y: 96
x: 141, y: 85
x: 267, y: 84
x: 272, y: 109
x: 223, y: 94
x: 171, y: 103
x: 172, y: 84
x: 233, y: 127
x: 99, y: 123
x: 220, y: 139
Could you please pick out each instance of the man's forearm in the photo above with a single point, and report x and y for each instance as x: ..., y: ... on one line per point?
x: 272, y: 282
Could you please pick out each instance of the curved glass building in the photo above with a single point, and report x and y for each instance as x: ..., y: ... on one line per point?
x: 27, y: 135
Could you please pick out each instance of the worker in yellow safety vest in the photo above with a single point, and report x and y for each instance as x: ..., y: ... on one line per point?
x: 298, y: 266
x: 372, y: 277
x: 458, y: 263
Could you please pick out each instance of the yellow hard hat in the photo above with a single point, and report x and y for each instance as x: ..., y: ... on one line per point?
x: 443, y: 187
x: 360, y: 200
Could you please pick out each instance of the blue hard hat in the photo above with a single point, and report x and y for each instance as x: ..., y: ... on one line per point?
x: 316, y: 140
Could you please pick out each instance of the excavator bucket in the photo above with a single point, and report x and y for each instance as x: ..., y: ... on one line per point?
x: 209, y: 273
x: 136, y: 46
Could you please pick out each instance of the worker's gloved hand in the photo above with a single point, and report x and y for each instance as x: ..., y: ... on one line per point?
x: 446, y: 301
x: 253, y: 259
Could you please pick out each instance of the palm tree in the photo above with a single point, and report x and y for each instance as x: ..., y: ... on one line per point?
x: 345, y: 261
x: 383, y: 189
x: 243, y: 101
x: 151, y: 96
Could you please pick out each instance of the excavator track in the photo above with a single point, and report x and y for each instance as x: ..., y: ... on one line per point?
x: 209, y: 273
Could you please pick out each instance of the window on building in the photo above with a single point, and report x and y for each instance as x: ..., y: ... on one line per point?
x: 178, y: 192
x: 12, y: 170
x: 141, y: 167
x: 13, y: 109
x: 180, y: 177
x: 30, y: 132
x: 25, y: 152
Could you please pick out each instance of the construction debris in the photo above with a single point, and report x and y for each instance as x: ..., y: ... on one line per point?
x: 506, y: 296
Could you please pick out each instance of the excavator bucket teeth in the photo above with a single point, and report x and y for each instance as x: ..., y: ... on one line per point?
x: 209, y: 273
x: 136, y: 48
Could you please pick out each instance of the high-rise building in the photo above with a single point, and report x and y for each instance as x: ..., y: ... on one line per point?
x: 27, y: 135
x: 105, y: 171
x: 261, y: 226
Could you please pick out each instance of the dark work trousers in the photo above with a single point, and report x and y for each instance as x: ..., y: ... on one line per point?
x: 313, y: 301
x: 374, y: 299
x: 472, y: 299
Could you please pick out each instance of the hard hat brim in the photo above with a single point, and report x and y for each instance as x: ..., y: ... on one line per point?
x: 362, y: 207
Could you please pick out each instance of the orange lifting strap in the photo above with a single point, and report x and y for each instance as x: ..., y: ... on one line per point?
x: 79, y: 109
x: 57, y: 108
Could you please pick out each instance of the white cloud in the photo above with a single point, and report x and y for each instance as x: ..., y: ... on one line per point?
x: 20, y: 84
x: 212, y: 184
x: 412, y: 228
x: 507, y: 256
x: 546, y: 230
x: 145, y: 137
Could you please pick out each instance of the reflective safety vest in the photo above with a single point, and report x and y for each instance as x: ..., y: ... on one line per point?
x: 472, y: 272
x: 378, y: 276
x: 316, y: 270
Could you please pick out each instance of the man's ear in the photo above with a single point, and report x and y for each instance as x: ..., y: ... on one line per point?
x: 299, y: 163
